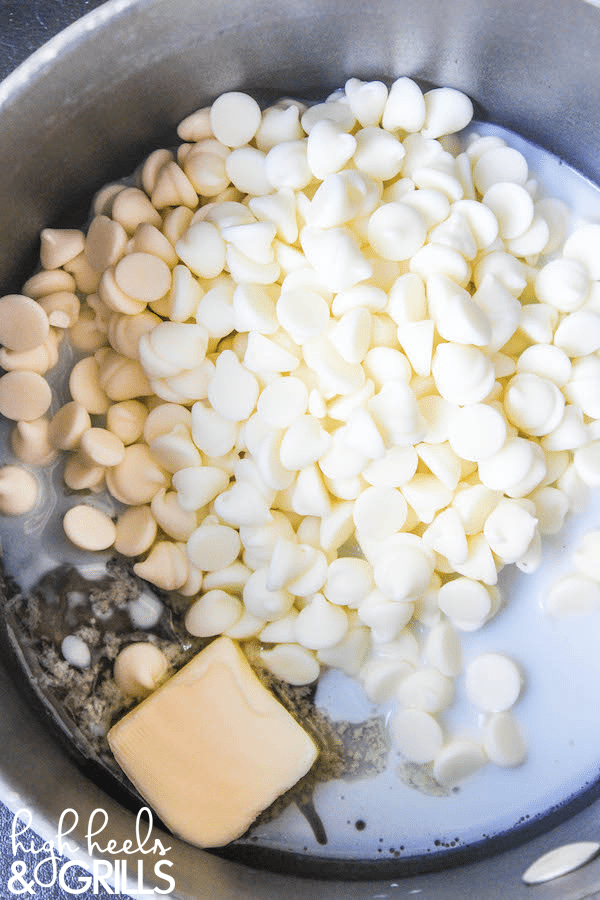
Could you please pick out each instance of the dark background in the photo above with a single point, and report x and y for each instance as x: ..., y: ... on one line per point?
x: 26, y: 24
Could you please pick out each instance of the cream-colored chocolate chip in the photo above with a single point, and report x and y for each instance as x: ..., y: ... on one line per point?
x: 48, y: 281
x: 18, y: 491
x: 30, y: 442
x: 102, y: 312
x: 39, y: 360
x: 24, y: 395
x: 152, y: 166
x: 140, y: 668
x: 173, y: 188
x: 193, y: 584
x: 68, y: 425
x: 124, y: 332
x: 196, y: 126
x: 23, y: 323
x: 131, y: 207
x: 86, y: 278
x: 127, y: 419
x: 62, y: 309
x: 143, y: 276
x: 89, y: 528
x: 116, y: 299
x: 213, y: 613
x: 136, y: 531
x: 60, y: 246
x: 105, y: 243
x: 137, y: 478
x: 175, y: 521
x: 164, y: 418
x: 166, y: 566
x: 85, y: 335
x: 176, y: 223
x: 182, y: 152
x: 148, y: 239
x: 103, y: 201
x: 101, y: 447
x: 79, y: 475
x: 85, y: 386
x: 122, y: 378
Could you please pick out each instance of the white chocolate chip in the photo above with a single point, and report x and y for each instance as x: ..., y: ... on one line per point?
x: 366, y: 100
x: 292, y: 663
x: 76, y: 652
x: 442, y: 649
x: 446, y: 111
x: 213, y: 613
x: 563, y: 283
x: 573, y: 595
x: 126, y: 420
x: 463, y: 375
x: 579, y: 333
x: 405, y: 107
x: 233, y: 390
x: 426, y: 689
x: 131, y: 207
x: 499, y: 164
x: 100, y: 447
x: 477, y: 432
x: 136, y: 531
x: 378, y: 153
x: 86, y: 388
x: 509, y: 529
x: 212, y: 547
x: 234, y: 118
x: 320, y: 624
x: 560, y: 861
x: 466, y: 602
x: 349, y: 581
x: 202, y: 249
x: 18, y: 491
x: 513, y: 207
x: 492, y: 682
x: 582, y: 245
x: 396, y: 231
x: 24, y: 395
x: 31, y: 444
x: 60, y: 246
x: 165, y: 566
x: 381, y: 677
x: 143, y: 276
x: 23, y: 323
x: 89, y: 528
x: 502, y: 740
x: 48, y: 281
x: 139, y: 669
x: 417, y: 735
x: 403, y: 568
x: 459, y: 759
x: 137, y: 478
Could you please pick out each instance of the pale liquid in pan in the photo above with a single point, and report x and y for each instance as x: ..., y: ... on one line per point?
x: 382, y: 817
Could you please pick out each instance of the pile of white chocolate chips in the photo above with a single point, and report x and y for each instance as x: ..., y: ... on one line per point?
x: 338, y: 369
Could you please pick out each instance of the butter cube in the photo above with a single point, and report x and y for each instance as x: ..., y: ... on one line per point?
x: 211, y: 748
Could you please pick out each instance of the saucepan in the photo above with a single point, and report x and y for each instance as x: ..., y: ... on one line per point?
x: 85, y: 109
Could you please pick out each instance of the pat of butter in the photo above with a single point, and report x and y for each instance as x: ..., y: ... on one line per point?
x: 212, y: 747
